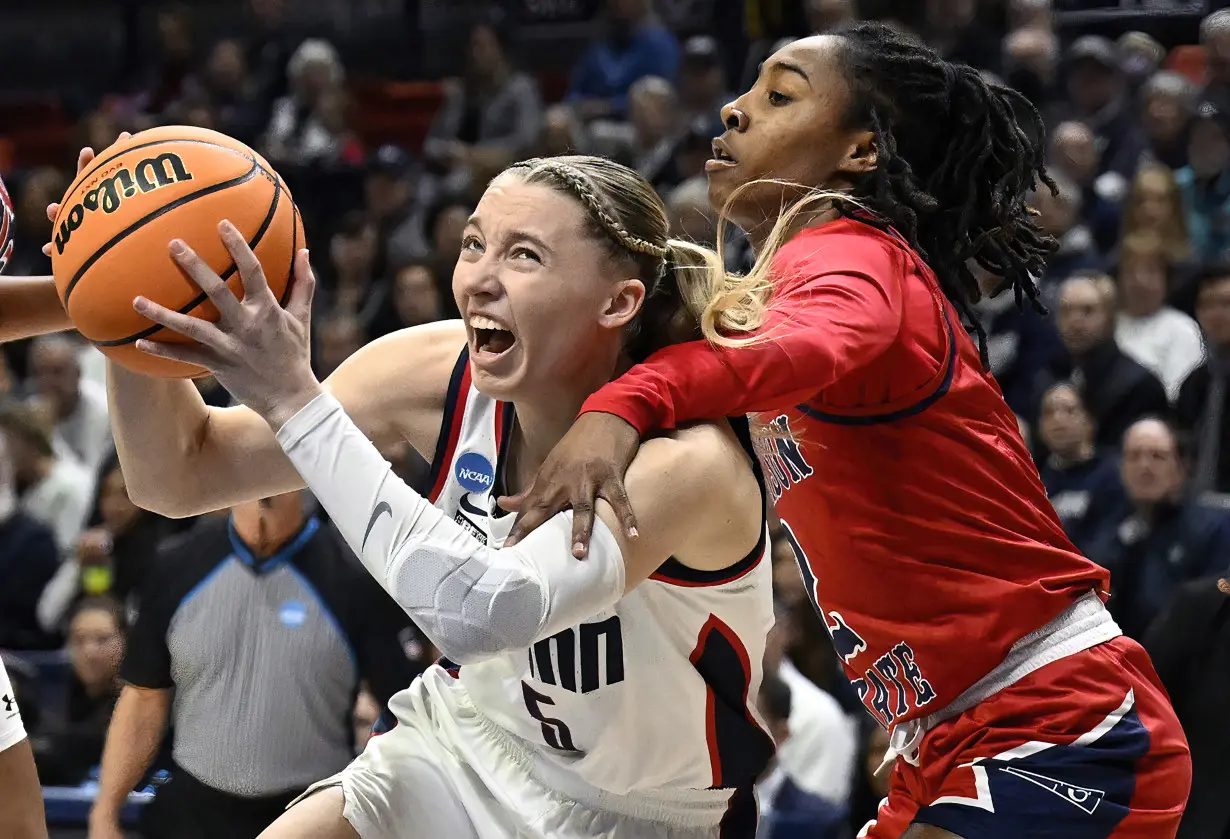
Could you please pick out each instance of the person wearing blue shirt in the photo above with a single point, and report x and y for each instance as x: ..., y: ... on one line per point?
x: 1158, y: 539
x: 635, y: 45
x: 1205, y: 184
x: 1079, y: 481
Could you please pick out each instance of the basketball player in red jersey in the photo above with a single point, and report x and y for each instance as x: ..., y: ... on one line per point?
x: 970, y: 626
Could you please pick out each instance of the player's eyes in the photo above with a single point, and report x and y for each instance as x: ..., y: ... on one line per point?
x: 778, y: 98
x: 525, y: 253
x: 471, y: 243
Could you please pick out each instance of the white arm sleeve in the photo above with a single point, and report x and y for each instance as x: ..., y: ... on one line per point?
x: 12, y: 731
x: 472, y: 601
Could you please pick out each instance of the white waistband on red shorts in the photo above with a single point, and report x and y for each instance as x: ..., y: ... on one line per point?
x: 1084, y: 624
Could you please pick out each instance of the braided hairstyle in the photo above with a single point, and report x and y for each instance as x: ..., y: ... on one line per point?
x: 956, y: 158
x: 623, y: 211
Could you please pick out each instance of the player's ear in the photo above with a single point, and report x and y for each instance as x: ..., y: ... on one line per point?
x: 622, y: 303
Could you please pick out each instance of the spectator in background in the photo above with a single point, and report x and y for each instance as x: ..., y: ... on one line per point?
x: 1116, y: 389
x: 691, y: 216
x: 1201, y: 410
x: 1169, y: 103
x: 417, y: 298
x: 1031, y: 64
x: 28, y: 561
x: 1215, y: 38
x: 786, y: 810
x: 262, y: 626
x: 227, y: 85
x: 493, y: 113
x: 112, y: 555
x: 819, y: 757
x: 1021, y: 343
x: 702, y: 84
x: 339, y: 335
x: 954, y: 29
x: 447, y: 226
x: 391, y: 194
x: 1163, y: 339
x: 1059, y: 214
x: 1098, y: 92
x: 53, y: 488
x: 562, y: 133
x: 1157, y: 540
x: 296, y: 133
x: 1075, y: 153
x: 353, y: 287
x: 41, y: 187
x: 1205, y: 184
x: 1190, y: 648
x: 268, y: 44
x: 872, y: 785
x: 633, y: 45
x: 1154, y: 206
x: 173, y: 60
x: 66, y: 757
x: 1078, y: 478
x: 76, y: 408
x: 646, y: 142
x: 1140, y: 56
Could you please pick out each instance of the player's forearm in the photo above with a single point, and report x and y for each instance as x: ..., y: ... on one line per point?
x: 133, y: 738
x: 30, y: 306
x: 472, y: 601
x: 182, y: 458
x: 21, y: 804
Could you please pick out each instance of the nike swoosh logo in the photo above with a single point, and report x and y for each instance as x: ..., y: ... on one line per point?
x: 472, y: 508
x: 10, y: 716
x: 381, y: 508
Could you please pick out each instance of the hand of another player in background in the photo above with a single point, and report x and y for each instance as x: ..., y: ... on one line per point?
x: 257, y: 350
x: 588, y: 464
x: 84, y: 158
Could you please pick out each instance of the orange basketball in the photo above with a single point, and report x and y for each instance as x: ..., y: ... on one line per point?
x: 110, y: 238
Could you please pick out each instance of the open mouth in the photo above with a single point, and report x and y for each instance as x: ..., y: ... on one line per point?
x: 720, y: 154
x: 491, y: 338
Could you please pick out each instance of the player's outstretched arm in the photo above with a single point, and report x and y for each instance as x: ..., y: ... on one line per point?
x: 695, y: 494
x: 182, y: 457
x: 30, y: 306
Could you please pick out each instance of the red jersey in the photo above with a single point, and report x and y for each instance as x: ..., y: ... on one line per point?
x: 898, y: 471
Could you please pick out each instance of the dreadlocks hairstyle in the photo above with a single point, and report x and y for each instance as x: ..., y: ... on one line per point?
x: 957, y: 157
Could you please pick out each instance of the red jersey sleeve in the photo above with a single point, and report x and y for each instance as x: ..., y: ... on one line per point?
x: 836, y: 307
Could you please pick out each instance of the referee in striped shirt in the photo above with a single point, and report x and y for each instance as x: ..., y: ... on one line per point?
x: 252, y: 637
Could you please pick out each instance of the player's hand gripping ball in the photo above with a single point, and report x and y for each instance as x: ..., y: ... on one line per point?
x: 113, y: 227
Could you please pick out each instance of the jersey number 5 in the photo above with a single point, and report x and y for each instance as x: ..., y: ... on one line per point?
x: 554, y: 731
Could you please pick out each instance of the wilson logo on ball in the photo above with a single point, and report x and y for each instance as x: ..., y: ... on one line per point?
x: 148, y: 175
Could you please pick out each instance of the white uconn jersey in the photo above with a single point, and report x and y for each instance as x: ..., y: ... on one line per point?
x: 655, y: 693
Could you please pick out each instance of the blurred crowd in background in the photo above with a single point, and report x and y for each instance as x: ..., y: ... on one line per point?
x: 388, y: 118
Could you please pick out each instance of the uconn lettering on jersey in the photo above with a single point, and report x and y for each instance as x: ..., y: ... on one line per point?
x: 579, y: 660
x: 893, y: 685
x: 781, y: 459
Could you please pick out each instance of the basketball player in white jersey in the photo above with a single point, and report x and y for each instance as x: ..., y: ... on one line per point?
x: 610, y: 697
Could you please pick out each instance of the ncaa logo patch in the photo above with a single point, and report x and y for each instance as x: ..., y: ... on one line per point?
x: 292, y: 614
x: 474, y: 472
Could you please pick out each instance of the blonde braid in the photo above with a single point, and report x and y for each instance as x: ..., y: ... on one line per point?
x: 583, y: 189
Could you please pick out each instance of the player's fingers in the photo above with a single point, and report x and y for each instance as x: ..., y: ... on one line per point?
x: 303, y: 289
x: 187, y: 353
x: 53, y: 210
x: 207, y: 280
x: 201, y: 331
x: 511, y: 503
x: 534, y: 514
x: 255, y: 287
x: 83, y: 158
x: 582, y: 526
x: 615, y: 493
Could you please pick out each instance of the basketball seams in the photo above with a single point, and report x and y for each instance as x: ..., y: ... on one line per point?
x: 96, y: 164
x: 151, y: 216
x: 278, y: 190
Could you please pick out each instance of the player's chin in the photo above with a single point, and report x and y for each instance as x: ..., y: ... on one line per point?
x: 499, y: 377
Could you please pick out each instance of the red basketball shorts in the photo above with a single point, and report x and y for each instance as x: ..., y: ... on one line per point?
x: 1087, y: 747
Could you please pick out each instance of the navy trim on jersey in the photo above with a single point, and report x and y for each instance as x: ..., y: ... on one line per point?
x: 506, y: 416
x: 450, y: 667
x: 917, y: 408
x: 439, y: 461
x: 676, y: 573
x: 739, y: 749
x: 742, y: 815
